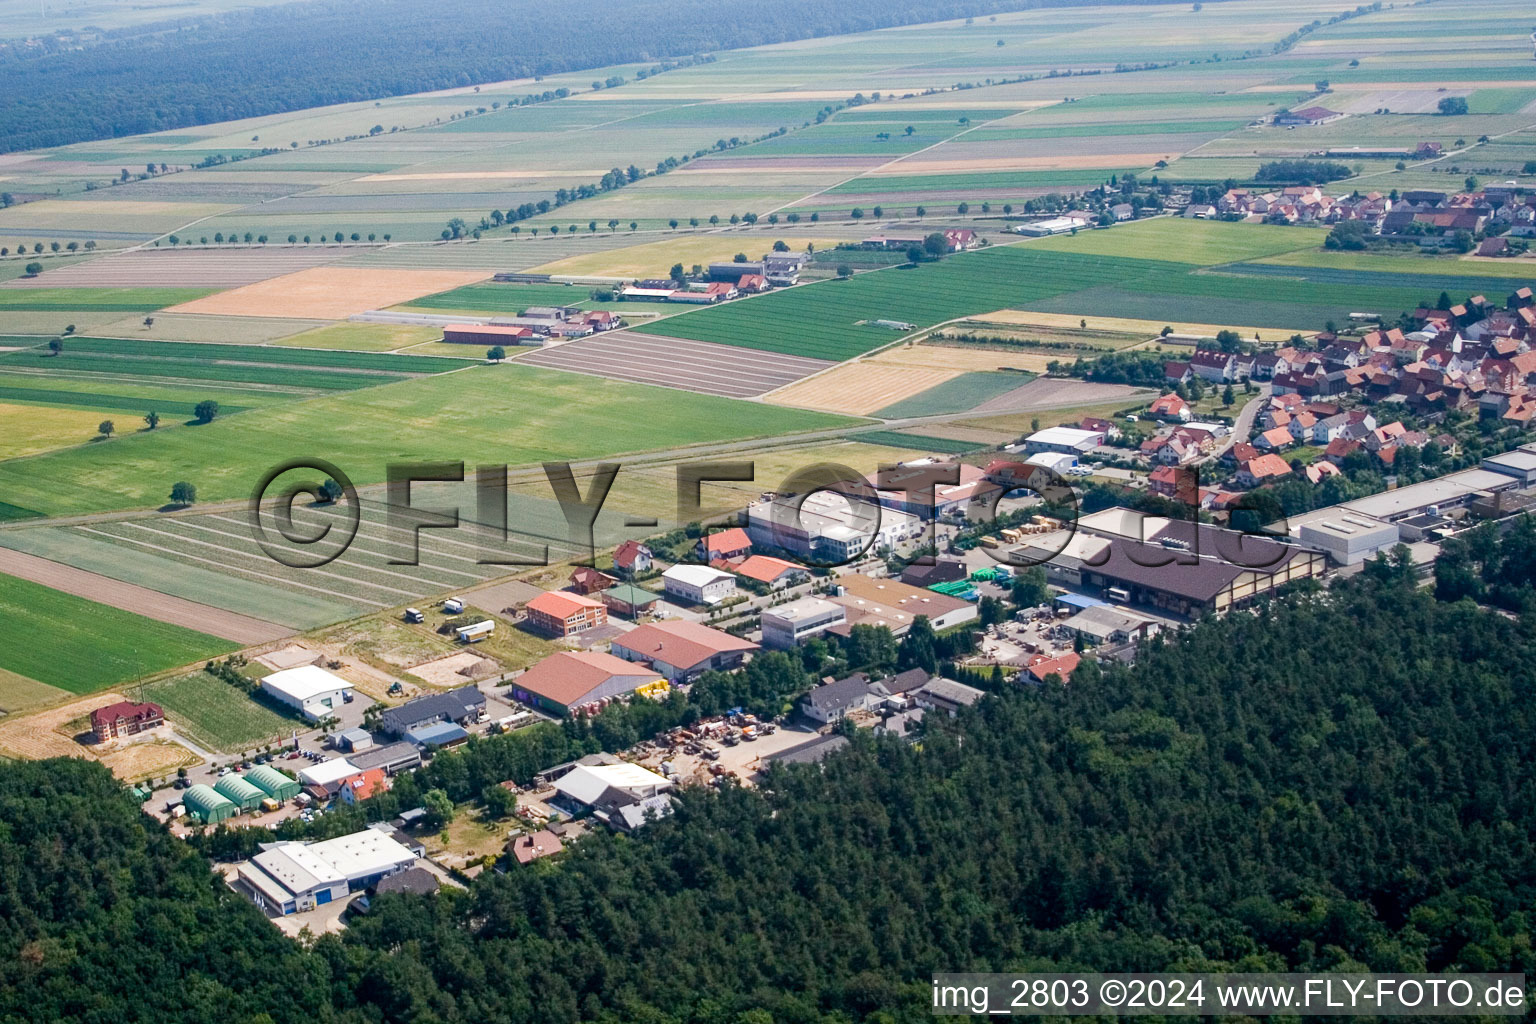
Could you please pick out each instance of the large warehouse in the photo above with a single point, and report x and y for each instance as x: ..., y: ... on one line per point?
x: 239, y: 792
x: 308, y: 689
x: 573, y: 679
x: 289, y: 878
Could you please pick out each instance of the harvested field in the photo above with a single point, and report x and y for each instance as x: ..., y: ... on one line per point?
x: 150, y: 759
x: 701, y: 366
x: 242, y: 629
x: 37, y: 736
x: 858, y: 389
x: 18, y: 693
x: 330, y: 293
x: 180, y: 268
x: 454, y: 669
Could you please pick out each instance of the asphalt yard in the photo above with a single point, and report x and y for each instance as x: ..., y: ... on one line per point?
x: 702, y: 366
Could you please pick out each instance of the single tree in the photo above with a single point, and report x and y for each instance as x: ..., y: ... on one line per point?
x: 183, y: 493
x: 56, y: 346
x: 152, y: 419
x: 844, y: 271
x: 105, y: 428
x: 331, y: 491
x: 34, y: 268
x: 496, y: 353
x: 206, y: 410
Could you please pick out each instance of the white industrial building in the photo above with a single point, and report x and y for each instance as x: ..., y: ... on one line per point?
x: 785, y: 625
x: 1348, y: 538
x: 1520, y: 464
x: 1455, y: 490
x: 621, y: 795
x: 309, y: 689
x: 290, y: 878
x: 1052, y: 226
x: 327, y: 775
x: 829, y: 527
x: 1067, y: 440
x: 698, y: 584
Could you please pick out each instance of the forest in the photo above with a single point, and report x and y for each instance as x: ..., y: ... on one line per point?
x: 274, y: 59
x: 1340, y: 780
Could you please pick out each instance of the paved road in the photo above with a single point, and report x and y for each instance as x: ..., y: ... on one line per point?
x: 1242, y: 427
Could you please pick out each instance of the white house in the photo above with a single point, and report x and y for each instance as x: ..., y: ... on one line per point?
x: 698, y: 584
x: 308, y: 689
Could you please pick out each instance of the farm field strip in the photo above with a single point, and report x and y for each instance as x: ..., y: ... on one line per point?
x: 692, y: 365
x: 46, y: 298
x: 823, y: 319
x: 190, y: 268
x: 961, y: 393
x: 164, y: 371
x: 329, y: 293
x: 285, y: 604
x: 254, y: 354
x: 130, y: 597
x: 121, y: 645
x: 862, y: 387
x: 357, y: 547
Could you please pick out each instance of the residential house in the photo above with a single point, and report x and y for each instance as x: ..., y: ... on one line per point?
x: 631, y: 559
x: 1172, y: 407
x: 723, y: 545
x: 1262, y: 470
x: 586, y: 580
x: 775, y: 573
x: 125, y: 718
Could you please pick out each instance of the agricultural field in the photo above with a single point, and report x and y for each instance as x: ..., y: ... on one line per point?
x: 958, y: 394
x: 655, y: 259
x: 829, y: 320
x: 32, y: 429
x: 328, y: 293
x: 215, y: 715
x: 489, y: 414
x: 103, y: 300
x: 1200, y: 242
x: 90, y: 646
x: 362, y: 337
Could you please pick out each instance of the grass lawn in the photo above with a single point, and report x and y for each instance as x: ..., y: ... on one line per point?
x: 82, y: 646
x: 485, y: 415
x: 1202, y: 242
x: 215, y: 714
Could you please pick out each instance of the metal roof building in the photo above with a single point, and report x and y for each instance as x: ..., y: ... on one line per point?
x: 437, y: 734
x: 272, y: 782
x: 208, y: 805
x: 239, y: 792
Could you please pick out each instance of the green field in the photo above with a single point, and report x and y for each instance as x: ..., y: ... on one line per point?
x: 1200, y: 242
x: 1407, y: 262
x: 822, y: 319
x: 489, y: 414
x: 216, y: 715
x: 512, y: 298
x: 108, y: 556
x: 113, y: 300
x: 82, y: 646
x: 287, y: 368
x: 958, y: 394
x: 897, y: 439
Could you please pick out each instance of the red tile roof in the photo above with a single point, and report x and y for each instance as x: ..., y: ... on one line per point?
x: 561, y: 604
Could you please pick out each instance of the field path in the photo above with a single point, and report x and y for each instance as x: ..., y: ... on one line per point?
x: 242, y: 629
